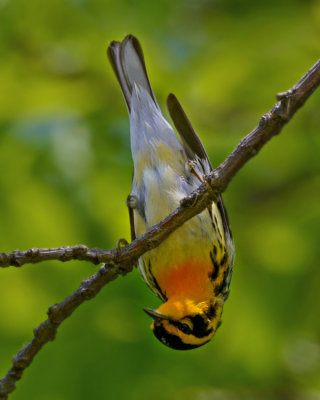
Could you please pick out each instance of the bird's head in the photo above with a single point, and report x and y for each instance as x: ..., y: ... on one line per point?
x: 184, y: 324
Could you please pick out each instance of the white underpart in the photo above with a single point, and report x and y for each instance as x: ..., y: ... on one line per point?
x: 147, y: 124
x: 162, y: 177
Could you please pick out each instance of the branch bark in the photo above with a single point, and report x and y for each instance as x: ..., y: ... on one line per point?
x: 121, y: 260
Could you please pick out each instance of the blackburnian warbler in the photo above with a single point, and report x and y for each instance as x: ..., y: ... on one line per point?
x: 191, y: 270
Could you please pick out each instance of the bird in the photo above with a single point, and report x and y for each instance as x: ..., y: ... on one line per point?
x: 191, y: 270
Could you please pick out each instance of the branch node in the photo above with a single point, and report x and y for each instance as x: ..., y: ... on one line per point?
x: 103, y: 269
x: 123, y: 270
x: 97, y: 255
x: 287, y: 94
x: 281, y: 109
x: 33, y: 252
x: 151, y: 243
x: 212, y: 181
x: 20, y: 363
x: 53, y: 314
x: 81, y: 249
x: 264, y: 120
x: 87, y: 293
x: 14, y: 260
x: 43, y: 334
x: 66, y: 254
x: 190, y: 201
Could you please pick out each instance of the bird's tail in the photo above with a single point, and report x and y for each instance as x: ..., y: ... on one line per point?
x: 127, y: 61
x: 147, y: 124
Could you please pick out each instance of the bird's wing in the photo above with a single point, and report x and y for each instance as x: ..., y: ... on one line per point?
x: 194, y: 147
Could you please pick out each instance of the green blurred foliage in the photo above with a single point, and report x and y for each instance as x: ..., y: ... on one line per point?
x: 65, y: 167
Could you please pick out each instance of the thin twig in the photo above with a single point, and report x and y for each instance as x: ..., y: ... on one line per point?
x: 120, y: 260
x: 66, y: 253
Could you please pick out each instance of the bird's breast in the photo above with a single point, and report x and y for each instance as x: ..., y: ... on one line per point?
x: 187, y: 279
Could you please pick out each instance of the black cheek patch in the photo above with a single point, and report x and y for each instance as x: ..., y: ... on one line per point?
x: 200, y: 326
x: 170, y: 340
x: 212, y: 312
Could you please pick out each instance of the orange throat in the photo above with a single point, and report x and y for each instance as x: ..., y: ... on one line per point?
x: 189, y: 291
x: 189, y: 279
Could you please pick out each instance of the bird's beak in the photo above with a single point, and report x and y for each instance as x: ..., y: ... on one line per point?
x: 155, y: 315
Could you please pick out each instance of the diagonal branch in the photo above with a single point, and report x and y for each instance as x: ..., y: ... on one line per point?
x: 120, y: 260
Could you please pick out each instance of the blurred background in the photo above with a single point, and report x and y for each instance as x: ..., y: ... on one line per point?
x: 66, y: 168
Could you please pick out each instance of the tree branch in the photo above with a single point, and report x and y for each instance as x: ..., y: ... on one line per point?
x: 120, y: 260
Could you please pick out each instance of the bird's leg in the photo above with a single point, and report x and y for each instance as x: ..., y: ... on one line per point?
x: 194, y: 171
x: 132, y: 203
x: 201, y: 178
x: 122, y: 242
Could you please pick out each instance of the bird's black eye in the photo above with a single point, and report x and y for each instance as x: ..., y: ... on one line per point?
x: 185, y: 328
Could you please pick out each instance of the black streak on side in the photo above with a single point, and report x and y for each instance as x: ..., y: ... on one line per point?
x: 224, y: 258
x: 212, y: 221
x: 223, y: 287
x: 155, y: 283
x: 216, y: 266
x: 215, y: 250
x: 225, y: 218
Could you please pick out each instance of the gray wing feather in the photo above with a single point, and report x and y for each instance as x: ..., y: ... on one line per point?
x: 189, y: 137
x: 194, y: 147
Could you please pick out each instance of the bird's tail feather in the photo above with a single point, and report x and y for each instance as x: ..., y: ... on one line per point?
x: 127, y: 61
